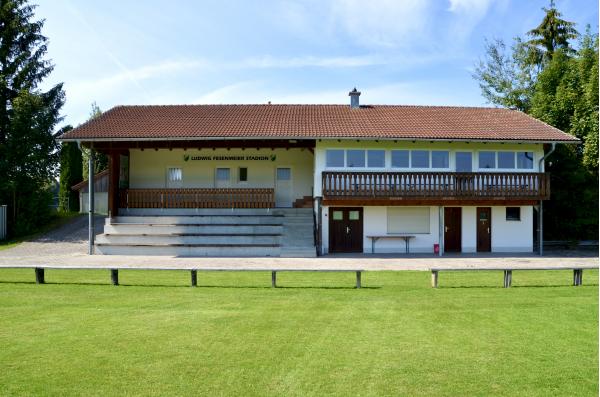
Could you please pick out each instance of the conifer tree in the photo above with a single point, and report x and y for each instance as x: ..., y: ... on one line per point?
x: 28, y: 115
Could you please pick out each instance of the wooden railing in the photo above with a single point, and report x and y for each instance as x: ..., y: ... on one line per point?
x: 197, y: 198
x: 425, y: 185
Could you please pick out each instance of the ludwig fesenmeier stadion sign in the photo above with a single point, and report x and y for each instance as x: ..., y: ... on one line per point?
x: 187, y: 157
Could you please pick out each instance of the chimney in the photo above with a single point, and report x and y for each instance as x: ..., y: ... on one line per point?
x: 354, y: 103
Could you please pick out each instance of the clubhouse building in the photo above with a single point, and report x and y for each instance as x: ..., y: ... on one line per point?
x: 306, y: 180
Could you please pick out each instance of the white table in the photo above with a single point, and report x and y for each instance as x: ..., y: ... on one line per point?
x: 405, y: 237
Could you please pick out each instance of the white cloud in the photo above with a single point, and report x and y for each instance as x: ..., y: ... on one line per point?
x: 387, y: 23
x: 467, y: 15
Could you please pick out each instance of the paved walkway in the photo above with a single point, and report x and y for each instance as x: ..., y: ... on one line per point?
x: 67, y: 246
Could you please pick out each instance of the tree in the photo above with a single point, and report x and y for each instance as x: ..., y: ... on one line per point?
x: 507, y: 79
x: 551, y: 34
x: 70, y: 173
x: 100, y: 159
x: 546, y: 78
x: 28, y: 115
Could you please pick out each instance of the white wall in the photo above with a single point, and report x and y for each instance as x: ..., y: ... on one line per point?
x: 147, y: 168
x: 507, y: 236
x: 375, y: 224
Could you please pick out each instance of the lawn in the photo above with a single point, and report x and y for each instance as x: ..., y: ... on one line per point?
x: 234, y: 335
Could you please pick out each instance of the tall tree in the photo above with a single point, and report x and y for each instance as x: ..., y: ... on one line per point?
x: 70, y: 173
x: 551, y: 34
x: 28, y: 115
x: 100, y: 159
x: 547, y: 78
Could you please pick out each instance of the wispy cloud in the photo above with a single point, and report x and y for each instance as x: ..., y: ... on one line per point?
x: 385, y: 23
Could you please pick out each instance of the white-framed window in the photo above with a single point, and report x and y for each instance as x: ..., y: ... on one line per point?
x: 440, y: 159
x: 408, y: 220
x: 419, y: 159
x: 174, y: 174
x: 376, y: 158
x: 334, y: 158
x: 506, y: 160
x: 223, y: 174
x: 487, y: 159
x: 355, y: 158
x: 400, y: 159
x: 525, y: 160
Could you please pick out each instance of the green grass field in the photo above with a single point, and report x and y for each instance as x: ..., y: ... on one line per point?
x: 316, y: 335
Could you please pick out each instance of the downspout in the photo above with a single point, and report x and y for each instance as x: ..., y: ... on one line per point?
x: 91, y: 201
x: 541, y: 211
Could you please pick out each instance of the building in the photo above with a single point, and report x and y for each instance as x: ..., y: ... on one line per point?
x: 100, y: 194
x: 384, y: 179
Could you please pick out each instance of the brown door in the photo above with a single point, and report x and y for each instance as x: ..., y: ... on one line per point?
x: 345, y: 230
x: 452, y: 229
x: 484, y: 229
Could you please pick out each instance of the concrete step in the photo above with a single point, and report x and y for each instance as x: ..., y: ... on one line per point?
x: 125, y: 228
x: 298, y: 252
x: 189, y: 250
x: 168, y: 239
x: 193, y: 211
x: 198, y: 220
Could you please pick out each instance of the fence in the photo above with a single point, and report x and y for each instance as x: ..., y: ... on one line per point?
x: 3, y: 221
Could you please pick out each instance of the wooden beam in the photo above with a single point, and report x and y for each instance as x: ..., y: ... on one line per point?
x: 106, y: 147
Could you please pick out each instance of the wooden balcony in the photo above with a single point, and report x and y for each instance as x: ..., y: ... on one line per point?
x: 435, y: 188
x: 197, y: 198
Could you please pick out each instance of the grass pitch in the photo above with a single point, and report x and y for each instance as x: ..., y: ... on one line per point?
x: 315, y: 335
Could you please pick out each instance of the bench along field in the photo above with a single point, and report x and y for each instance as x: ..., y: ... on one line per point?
x: 315, y: 334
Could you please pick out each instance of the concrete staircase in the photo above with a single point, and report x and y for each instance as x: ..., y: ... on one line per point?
x: 210, y: 232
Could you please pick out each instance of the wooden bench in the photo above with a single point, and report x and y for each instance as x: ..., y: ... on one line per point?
x: 405, y: 237
x: 577, y: 272
x: 114, y: 271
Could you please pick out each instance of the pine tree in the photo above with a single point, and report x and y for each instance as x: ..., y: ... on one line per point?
x: 100, y: 159
x: 28, y: 115
x: 552, y: 34
x: 70, y: 174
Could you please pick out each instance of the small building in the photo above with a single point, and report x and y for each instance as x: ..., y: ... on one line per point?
x: 100, y: 194
x: 383, y: 179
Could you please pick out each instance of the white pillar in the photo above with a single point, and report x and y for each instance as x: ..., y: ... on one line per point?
x: 91, y: 201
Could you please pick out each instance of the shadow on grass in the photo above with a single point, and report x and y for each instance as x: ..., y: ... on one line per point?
x: 513, y: 286
x: 186, y: 286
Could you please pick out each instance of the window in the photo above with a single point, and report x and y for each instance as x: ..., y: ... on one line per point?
x: 400, y: 159
x: 440, y: 159
x: 222, y: 174
x: 174, y: 174
x: 354, y: 215
x: 464, y: 162
x: 376, y: 158
x: 408, y: 220
x: 355, y: 158
x: 506, y: 159
x: 284, y: 174
x: 525, y: 160
x: 243, y: 174
x: 334, y: 158
x: 338, y: 215
x: 419, y: 159
x: 513, y: 213
x: 487, y: 159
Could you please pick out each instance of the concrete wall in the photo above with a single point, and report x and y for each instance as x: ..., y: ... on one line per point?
x: 452, y: 147
x: 507, y: 236
x: 148, y: 168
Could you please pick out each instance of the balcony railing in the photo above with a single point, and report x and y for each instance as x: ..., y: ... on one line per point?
x: 197, y: 198
x: 436, y: 185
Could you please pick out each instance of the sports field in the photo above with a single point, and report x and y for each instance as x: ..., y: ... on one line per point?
x: 315, y: 335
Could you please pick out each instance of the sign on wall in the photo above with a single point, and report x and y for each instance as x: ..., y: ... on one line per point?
x: 272, y: 157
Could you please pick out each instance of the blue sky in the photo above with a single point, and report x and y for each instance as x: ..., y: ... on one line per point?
x: 314, y: 51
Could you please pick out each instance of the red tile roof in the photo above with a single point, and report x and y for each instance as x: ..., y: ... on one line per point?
x: 315, y: 121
